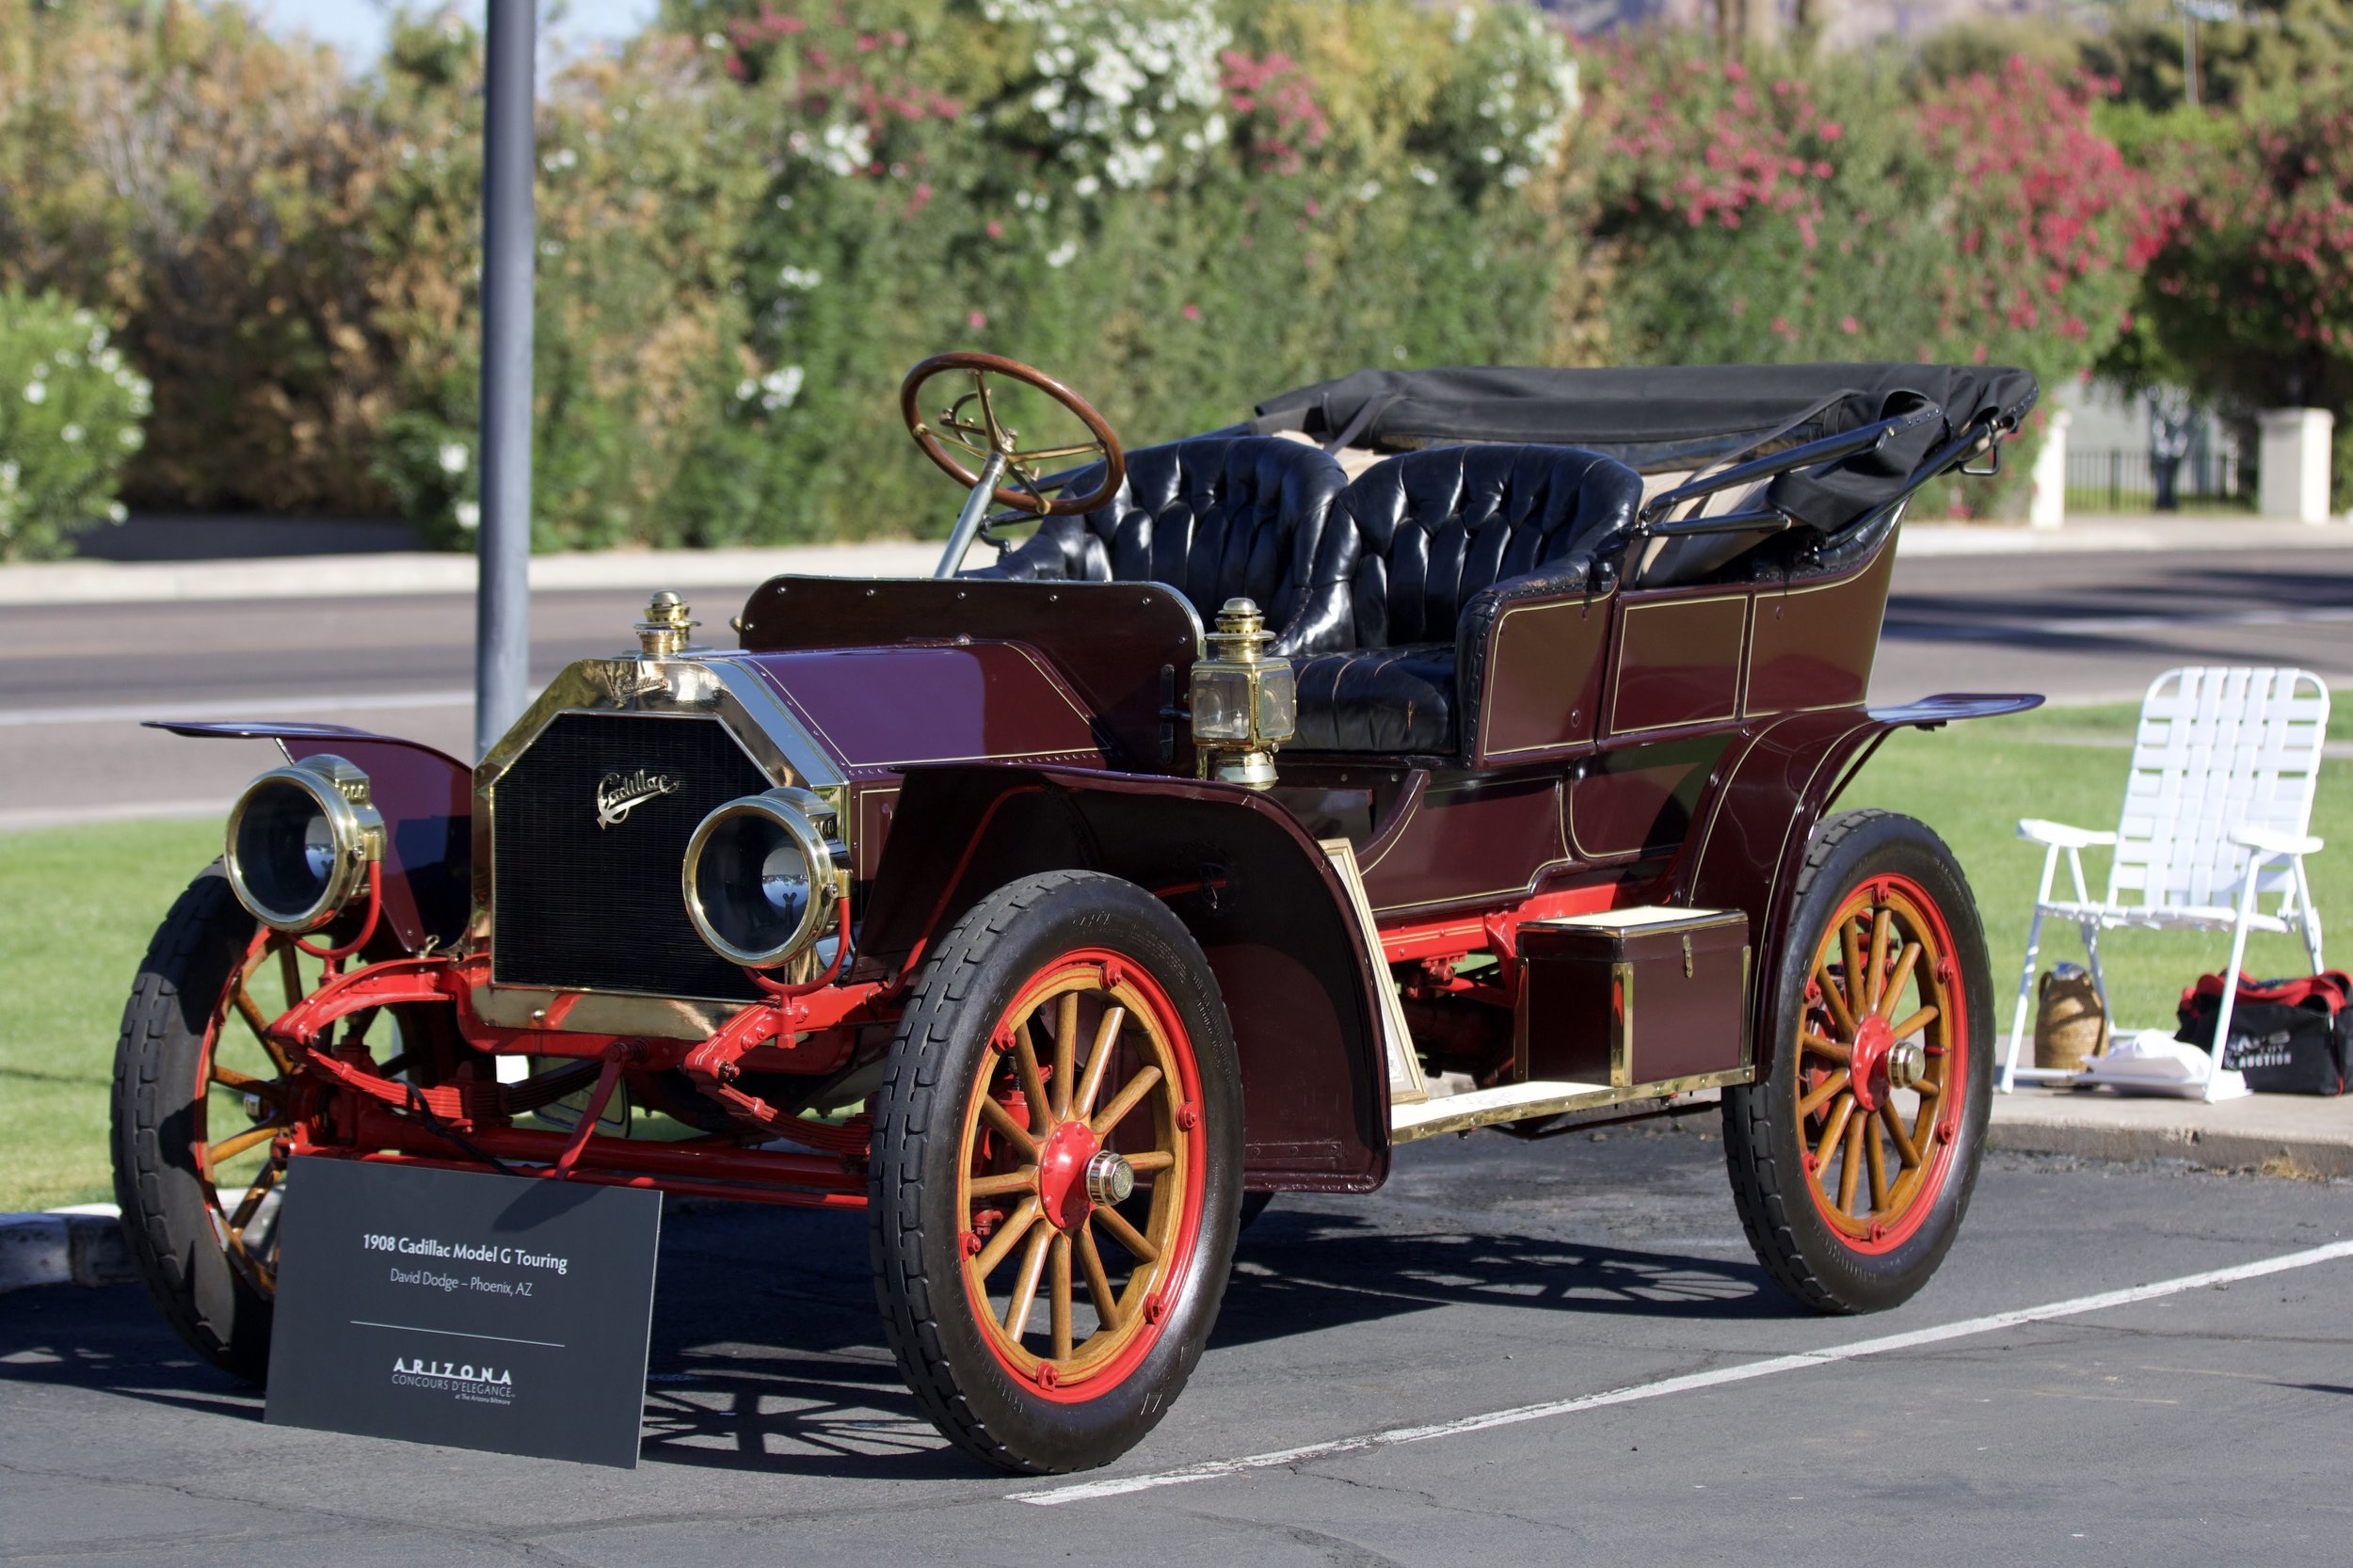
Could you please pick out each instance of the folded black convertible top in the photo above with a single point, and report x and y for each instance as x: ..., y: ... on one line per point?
x: 1653, y: 417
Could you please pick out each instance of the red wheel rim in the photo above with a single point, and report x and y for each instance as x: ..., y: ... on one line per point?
x: 1881, y: 1059
x: 1089, y: 1070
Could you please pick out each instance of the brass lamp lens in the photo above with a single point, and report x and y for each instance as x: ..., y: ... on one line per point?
x: 1279, y: 704
x: 284, y: 851
x: 758, y: 881
x: 300, y: 841
x: 1220, y: 705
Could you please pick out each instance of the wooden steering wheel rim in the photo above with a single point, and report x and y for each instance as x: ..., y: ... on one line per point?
x: 1114, y: 459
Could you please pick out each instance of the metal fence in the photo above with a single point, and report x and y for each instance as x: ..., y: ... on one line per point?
x: 2118, y: 481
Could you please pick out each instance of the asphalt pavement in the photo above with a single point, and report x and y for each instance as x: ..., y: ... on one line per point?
x: 1598, y: 1370
x: 76, y: 679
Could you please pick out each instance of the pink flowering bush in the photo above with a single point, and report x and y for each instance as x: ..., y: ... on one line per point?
x: 2251, y: 294
x: 1761, y: 212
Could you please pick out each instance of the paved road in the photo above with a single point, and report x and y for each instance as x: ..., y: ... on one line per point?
x: 74, y: 680
x: 2204, y: 1427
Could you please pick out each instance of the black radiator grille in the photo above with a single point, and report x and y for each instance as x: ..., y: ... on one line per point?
x: 575, y: 905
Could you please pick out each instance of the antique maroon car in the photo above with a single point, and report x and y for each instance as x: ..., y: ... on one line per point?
x: 1056, y: 932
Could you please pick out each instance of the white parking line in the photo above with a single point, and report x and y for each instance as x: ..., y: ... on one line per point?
x: 237, y: 708
x: 1211, y: 1469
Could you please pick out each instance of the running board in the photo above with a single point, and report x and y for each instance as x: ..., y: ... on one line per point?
x: 1520, y: 1102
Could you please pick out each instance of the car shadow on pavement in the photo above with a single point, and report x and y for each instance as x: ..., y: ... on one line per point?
x: 766, y: 1354
x: 786, y: 1372
x: 1301, y: 1272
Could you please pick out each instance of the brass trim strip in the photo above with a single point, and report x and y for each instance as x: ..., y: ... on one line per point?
x: 1432, y: 1121
x: 1406, y: 1085
x: 1622, y: 1023
x: 629, y: 1013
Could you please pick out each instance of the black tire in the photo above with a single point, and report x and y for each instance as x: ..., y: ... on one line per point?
x: 936, y: 1072
x: 167, y: 1214
x: 1765, y: 1144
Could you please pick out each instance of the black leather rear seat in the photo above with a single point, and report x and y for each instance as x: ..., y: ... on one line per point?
x: 1431, y: 546
x: 1378, y: 590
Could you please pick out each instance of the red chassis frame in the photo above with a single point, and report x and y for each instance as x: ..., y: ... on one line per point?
x: 351, y: 1111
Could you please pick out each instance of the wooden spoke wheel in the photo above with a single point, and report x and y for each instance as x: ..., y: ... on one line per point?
x: 1089, y: 1098
x: 1853, y: 1154
x: 1879, y: 1068
x: 1056, y: 1172
x: 246, y: 1108
x: 203, y: 1103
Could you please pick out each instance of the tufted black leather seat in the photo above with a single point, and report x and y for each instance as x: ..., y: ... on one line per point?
x: 1431, y: 546
x: 1210, y: 516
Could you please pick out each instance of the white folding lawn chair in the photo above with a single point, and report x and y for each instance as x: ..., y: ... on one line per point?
x: 2216, y: 813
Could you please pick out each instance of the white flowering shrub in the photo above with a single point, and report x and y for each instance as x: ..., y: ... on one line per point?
x: 71, y: 411
x: 1120, y: 94
x: 1512, y: 95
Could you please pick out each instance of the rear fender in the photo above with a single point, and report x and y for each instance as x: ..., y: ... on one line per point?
x: 1252, y: 886
x: 426, y: 800
x: 1749, y: 835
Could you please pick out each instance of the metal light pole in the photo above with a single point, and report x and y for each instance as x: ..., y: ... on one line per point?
x: 502, y: 596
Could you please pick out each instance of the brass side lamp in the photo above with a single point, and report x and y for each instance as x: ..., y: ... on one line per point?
x: 1244, y: 704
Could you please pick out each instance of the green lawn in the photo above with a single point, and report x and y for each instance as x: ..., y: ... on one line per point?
x: 76, y: 906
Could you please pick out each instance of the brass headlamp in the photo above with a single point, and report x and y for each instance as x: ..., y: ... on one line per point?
x: 300, y: 839
x: 1244, y: 704
x: 762, y: 878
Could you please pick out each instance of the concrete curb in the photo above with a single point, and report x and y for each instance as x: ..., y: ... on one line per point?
x: 399, y: 572
x: 421, y: 572
x: 2119, y: 536
x: 79, y: 1246
x: 2278, y: 1134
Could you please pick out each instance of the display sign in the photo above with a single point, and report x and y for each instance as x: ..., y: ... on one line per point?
x: 475, y: 1310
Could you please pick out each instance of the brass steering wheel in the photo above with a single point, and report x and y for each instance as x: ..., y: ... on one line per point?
x: 969, y: 424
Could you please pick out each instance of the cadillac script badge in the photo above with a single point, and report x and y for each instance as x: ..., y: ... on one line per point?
x: 620, y: 680
x: 619, y: 794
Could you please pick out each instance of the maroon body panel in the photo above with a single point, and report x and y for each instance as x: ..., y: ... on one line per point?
x: 1542, y: 697
x: 1124, y: 647
x: 1812, y: 645
x: 881, y: 709
x: 1255, y: 891
x: 1638, y: 799
x: 1677, y: 660
x: 1466, y: 838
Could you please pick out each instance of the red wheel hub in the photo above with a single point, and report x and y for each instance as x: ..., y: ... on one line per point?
x: 1868, y: 1072
x: 1061, y: 1174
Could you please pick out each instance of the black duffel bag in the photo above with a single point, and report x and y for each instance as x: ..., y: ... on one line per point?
x: 2287, y: 1037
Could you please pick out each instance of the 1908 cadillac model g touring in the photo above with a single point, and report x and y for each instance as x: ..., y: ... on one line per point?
x: 1055, y: 933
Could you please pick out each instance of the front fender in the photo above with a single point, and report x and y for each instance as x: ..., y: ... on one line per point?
x: 426, y: 800
x: 1748, y: 837
x: 1254, y: 888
